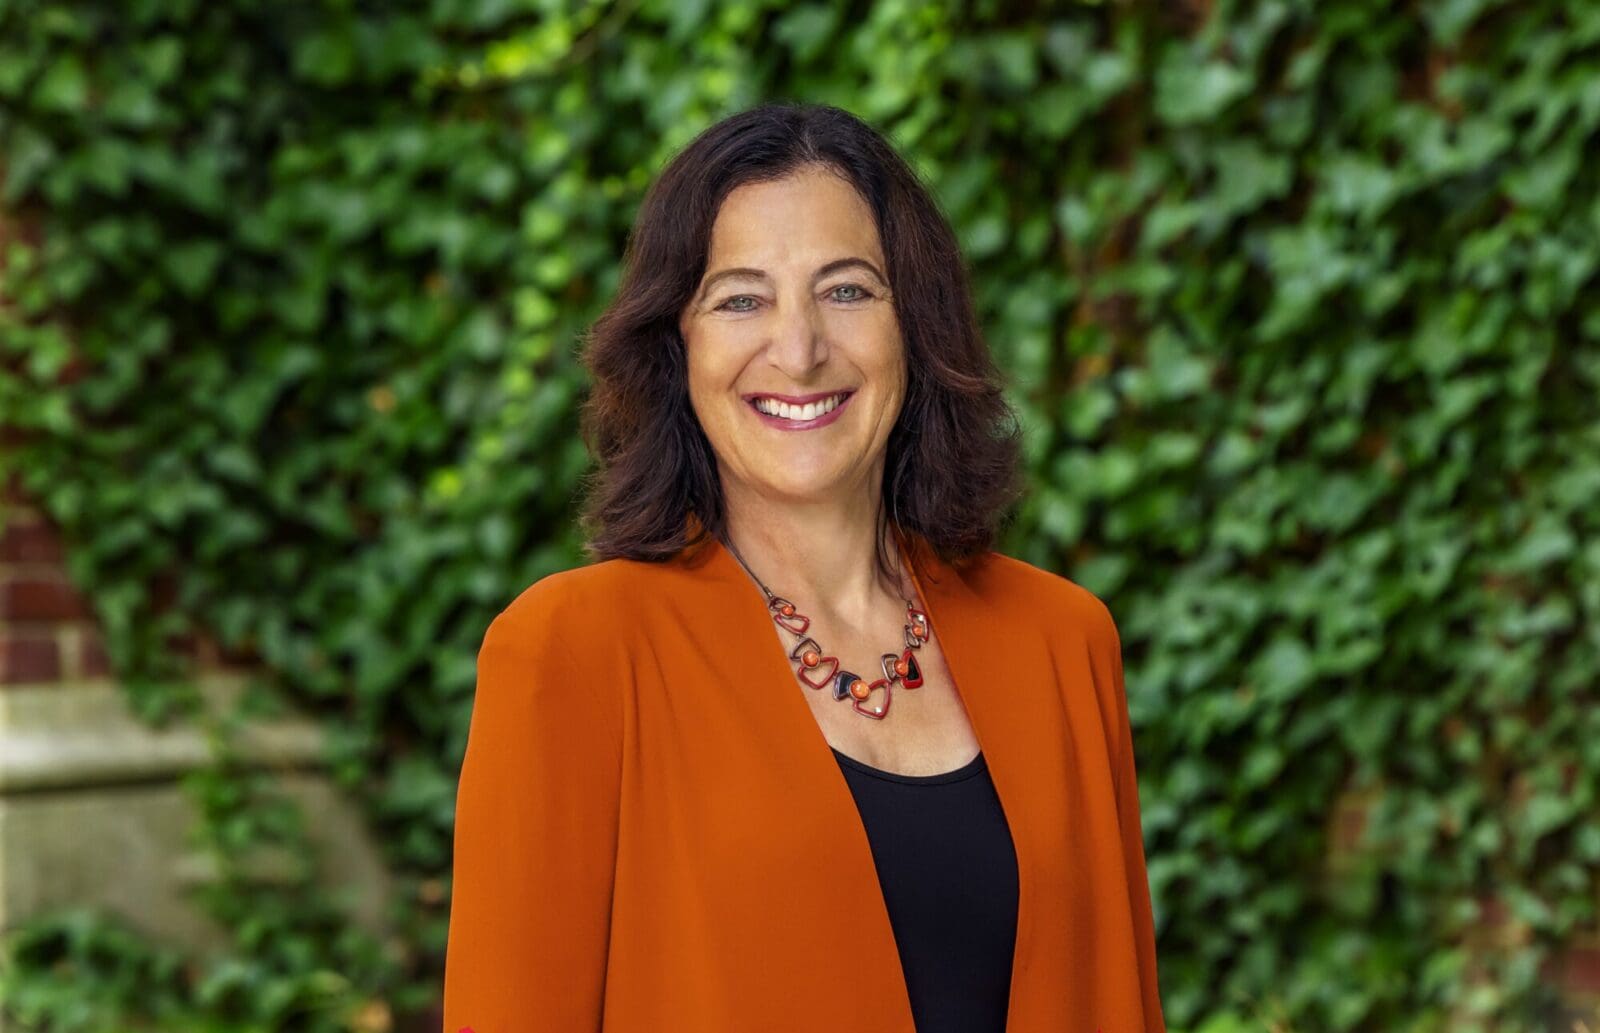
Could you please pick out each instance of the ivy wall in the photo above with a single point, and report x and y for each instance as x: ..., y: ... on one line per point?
x: 1297, y: 299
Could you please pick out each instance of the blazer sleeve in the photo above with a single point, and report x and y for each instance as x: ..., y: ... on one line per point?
x: 1132, y: 832
x: 535, y: 836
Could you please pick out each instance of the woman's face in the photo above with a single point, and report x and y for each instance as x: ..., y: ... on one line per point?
x: 794, y: 305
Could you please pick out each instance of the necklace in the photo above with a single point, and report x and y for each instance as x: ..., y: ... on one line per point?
x: 818, y: 670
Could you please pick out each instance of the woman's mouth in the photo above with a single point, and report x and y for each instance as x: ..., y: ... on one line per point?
x: 785, y: 416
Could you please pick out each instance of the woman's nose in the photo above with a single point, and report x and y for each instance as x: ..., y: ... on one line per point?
x: 799, y: 340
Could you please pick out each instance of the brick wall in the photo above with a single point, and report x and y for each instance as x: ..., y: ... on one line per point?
x: 47, y: 632
x: 1573, y: 973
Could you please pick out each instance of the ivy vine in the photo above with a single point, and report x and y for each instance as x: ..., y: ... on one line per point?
x: 1293, y: 299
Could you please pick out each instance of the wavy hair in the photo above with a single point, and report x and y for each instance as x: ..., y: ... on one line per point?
x: 952, y: 468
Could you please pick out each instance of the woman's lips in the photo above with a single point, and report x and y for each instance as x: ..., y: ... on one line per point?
x: 811, y: 424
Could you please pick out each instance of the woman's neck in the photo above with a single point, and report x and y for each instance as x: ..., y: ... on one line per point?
x: 820, y: 555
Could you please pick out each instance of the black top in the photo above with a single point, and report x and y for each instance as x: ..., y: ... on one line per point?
x: 948, y: 873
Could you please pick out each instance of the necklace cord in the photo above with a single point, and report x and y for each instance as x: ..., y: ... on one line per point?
x: 899, y: 668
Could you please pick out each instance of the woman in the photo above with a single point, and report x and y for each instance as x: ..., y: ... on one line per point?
x: 799, y: 751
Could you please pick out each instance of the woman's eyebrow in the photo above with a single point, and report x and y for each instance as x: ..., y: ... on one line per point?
x: 760, y: 274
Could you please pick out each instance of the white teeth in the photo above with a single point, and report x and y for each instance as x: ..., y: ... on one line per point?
x: 801, y: 413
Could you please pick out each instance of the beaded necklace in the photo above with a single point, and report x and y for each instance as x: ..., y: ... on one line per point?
x: 818, y: 671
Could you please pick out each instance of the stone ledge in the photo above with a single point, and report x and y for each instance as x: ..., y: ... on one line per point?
x: 74, y: 737
x: 92, y: 812
x: 126, y: 850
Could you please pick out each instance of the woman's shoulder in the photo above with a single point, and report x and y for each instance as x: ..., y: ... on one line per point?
x: 1006, y: 582
x: 578, y: 602
x: 1073, y: 619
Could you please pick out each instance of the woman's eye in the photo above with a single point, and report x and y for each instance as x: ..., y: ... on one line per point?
x: 861, y: 294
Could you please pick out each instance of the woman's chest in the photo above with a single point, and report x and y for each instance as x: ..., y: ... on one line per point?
x: 732, y: 767
x: 924, y: 728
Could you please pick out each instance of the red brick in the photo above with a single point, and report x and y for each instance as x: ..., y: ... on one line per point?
x: 164, y: 591
x: 28, y: 656
x: 1348, y: 821
x: 11, y: 490
x: 29, y: 541
x: 1493, y: 911
x: 72, y: 371
x: 1579, y: 970
x: 207, y: 650
x: 40, y: 597
x: 92, y: 659
x: 242, y: 655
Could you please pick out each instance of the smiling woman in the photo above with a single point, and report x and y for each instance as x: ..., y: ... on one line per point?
x: 790, y: 251
x: 805, y: 320
x: 671, y: 813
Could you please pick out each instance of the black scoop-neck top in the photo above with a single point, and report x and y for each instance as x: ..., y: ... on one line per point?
x: 948, y: 872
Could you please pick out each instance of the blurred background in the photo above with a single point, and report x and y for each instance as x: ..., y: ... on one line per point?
x: 1297, y: 300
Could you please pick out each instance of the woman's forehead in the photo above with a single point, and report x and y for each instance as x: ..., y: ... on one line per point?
x: 802, y: 218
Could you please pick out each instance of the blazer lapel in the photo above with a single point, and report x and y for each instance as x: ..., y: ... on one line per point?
x: 1004, y: 674
x: 992, y: 658
x: 821, y: 856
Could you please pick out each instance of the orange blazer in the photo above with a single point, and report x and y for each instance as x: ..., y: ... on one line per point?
x: 652, y: 833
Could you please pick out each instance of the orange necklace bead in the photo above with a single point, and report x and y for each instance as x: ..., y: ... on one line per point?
x: 899, y: 669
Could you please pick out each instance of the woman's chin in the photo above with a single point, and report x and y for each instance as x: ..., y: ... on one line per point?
x: 797, y: 486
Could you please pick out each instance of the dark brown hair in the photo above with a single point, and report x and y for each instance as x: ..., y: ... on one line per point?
x: 951, y: 471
